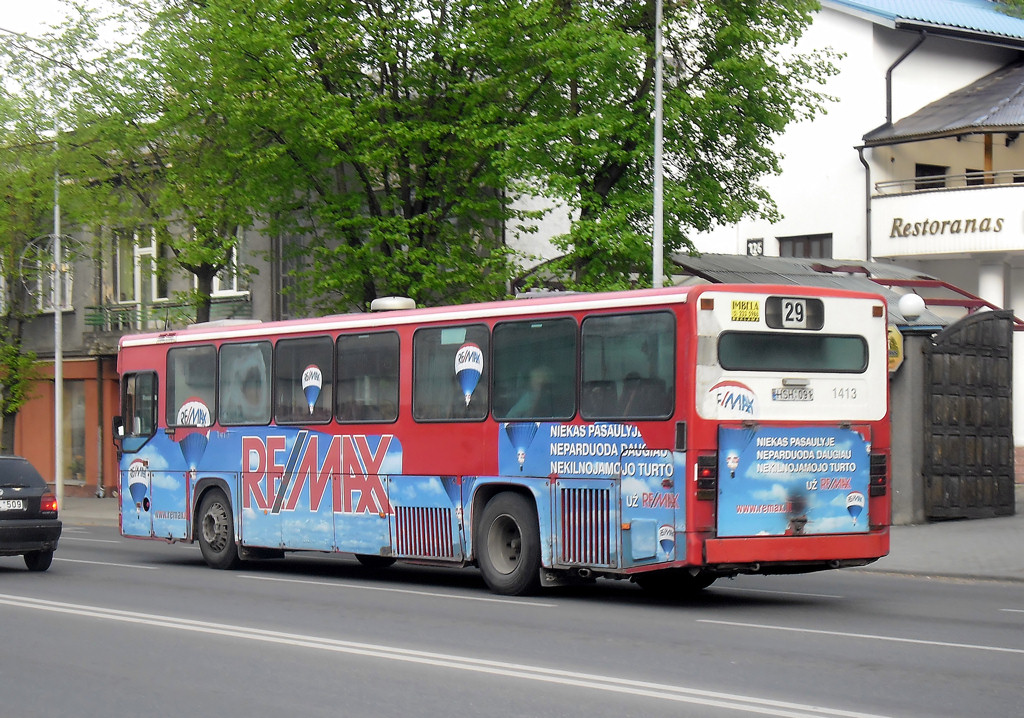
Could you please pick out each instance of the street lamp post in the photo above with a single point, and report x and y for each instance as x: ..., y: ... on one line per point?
x: 659, y: 219
x: 58, y: 335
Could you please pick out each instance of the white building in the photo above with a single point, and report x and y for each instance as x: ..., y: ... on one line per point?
x: 918, y: 161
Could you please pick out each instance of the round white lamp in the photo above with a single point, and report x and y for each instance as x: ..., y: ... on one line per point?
x: 911, y: 306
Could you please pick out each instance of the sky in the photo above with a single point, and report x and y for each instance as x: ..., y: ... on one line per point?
x: 29, y: 17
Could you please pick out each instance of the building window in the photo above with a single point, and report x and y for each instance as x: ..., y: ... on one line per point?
x: 39, y: 277
x: 974, y: 178
x: 74, y: 430
x: 226, y: 280
x: 817, y: 246
x: 929, y: 176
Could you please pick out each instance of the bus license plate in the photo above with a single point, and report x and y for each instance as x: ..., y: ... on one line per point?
x: 12, y: 504
x: 788, y: 393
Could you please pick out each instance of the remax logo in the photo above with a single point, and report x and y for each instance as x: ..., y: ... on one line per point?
x: 734, y: 399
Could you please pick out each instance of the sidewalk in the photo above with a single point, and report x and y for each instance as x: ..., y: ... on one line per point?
x: 976, y: 548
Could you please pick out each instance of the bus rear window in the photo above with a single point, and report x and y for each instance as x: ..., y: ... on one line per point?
x: 777, y: 352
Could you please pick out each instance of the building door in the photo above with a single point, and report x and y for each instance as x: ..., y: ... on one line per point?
x: 968, y: 443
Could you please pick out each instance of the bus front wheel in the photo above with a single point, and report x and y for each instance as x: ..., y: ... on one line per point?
x: 508, y: 551
x: 217, y: 531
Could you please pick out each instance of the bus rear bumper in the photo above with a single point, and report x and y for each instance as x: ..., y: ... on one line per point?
x: 835, y: 549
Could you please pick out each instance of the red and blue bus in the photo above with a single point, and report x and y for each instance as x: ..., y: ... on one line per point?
x: 669, y: 436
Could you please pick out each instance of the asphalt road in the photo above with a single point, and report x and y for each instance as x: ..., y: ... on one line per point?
x: 120, y: 627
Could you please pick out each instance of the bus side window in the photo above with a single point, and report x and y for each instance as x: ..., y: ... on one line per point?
x: 304, y: 380
x: 535, y: 369
x: 367, y: 370
x: 451, y: 373
x: 245, y: 383
x: 628, y: 366
x: 191, y: 390
x: 138, y: 404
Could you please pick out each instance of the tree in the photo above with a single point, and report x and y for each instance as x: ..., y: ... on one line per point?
x: 386, y: 139
x: 26, y: 189
x: 732, y: 82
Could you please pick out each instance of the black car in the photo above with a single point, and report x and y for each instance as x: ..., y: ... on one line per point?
x: 28, y: 514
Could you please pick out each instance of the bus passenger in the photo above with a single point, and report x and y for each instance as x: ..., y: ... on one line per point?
x: 536, y: 402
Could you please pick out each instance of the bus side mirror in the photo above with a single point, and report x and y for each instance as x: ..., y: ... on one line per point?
x: 117, y: 428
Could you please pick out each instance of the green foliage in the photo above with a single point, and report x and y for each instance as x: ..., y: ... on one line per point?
x: 386, y: 143
x: 1013, y: 8
x: 26, y: 190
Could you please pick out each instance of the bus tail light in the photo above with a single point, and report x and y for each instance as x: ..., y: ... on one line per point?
x: 707, y: 477
x: 878, y: 472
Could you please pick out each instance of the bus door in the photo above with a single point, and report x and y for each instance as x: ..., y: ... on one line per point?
x: 652, y: 506
x: 362, y: 507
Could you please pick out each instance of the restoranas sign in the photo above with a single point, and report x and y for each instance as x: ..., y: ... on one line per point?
x: 970, y: 225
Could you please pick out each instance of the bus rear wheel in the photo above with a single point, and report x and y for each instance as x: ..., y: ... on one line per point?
x: 508, y: 551
x: 217, y: 531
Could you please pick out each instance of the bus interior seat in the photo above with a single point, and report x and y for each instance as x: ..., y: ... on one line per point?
x: 643, y: 396
x: 599, y: 398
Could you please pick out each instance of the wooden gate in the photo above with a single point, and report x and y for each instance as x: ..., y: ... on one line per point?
x: 968, y: 443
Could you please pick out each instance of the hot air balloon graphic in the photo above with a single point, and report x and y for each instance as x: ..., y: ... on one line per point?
x: 733, y: 462
x: 312, y: 380
x: 469, y: 364
x: 855, y: 504
x: 138, y: 485
x: 521, y: 434
x: 194, y: 413
x: 666, y: 537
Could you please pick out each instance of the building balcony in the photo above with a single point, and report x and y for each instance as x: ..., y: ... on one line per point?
x: 107, y: 323
x: 948, y: 215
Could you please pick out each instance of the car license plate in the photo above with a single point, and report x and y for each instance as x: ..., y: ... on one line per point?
x: 12, y: 504
x: 788, y: 393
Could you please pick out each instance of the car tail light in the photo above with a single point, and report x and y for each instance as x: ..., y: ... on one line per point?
x: 48, y: 503
x: 878, y: 475
x: 707, y: 477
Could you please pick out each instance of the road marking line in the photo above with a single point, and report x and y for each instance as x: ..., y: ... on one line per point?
x: 80, y: 538
x: 780, y: 593
x: 1012, y: 610
x: 342, y: 584
x: 543, y: 674
x: 107, y: 563
x: 867, y: 636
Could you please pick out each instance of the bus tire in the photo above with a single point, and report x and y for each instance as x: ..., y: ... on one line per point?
x: 38, y: 560
x: 509, y: 549
x: 216, y: 531
x: 373, y: 561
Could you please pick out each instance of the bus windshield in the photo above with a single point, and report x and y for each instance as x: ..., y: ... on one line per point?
x: 774, y: 352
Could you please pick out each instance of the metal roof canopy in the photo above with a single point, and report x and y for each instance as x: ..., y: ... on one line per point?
x: 890, y: 280
x: 995, y: 103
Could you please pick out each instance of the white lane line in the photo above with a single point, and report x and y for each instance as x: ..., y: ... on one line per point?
x: 342, y: 584
x: 543, y: 674
x: 64, y: 538
x: 865, y: 636
x: 107, y: 563
x: 780, y: 593
x: 1012, y: 610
